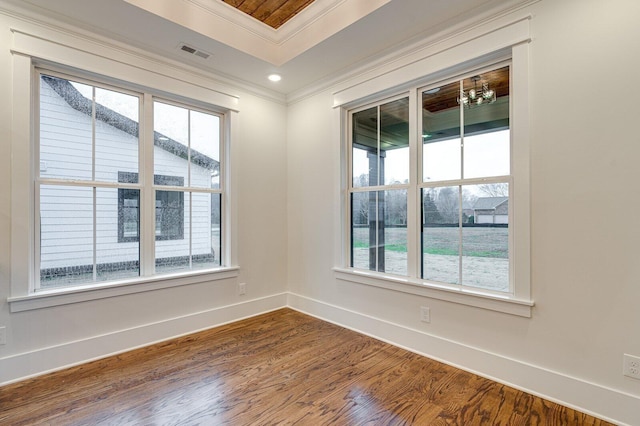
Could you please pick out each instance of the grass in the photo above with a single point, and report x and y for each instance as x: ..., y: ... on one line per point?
x: 477, y: 242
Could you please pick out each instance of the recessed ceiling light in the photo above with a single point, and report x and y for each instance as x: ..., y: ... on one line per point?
x: 275, y: 77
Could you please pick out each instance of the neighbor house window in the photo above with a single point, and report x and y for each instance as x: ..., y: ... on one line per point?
x: 454, y: 171
x: 169, y: 209
x: 101, y: 213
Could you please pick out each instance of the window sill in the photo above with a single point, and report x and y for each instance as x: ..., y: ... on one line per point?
x: 57, y: 297
x: 464, y: 296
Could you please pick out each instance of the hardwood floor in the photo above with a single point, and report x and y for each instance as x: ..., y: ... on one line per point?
x: 279, y: 368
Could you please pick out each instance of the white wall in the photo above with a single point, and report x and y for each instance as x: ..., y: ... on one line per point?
x: 585, y: 270
x: 53, y: 337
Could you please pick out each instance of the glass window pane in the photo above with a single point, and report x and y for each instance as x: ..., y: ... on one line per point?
x: 441, y: 234
x: 170, y: 215
x: 487, y: 154
x: 205, y: 150
x: 173, y: 242
x: 116, y: 134
x: 486, y: 125
x: 66, y: 235
x: 441, y: 151
x: 206, y: 243
x: 394, y: 141
x: 171, y: 140
x: 114, y: 259
x: 379, y: 231
x: 485, y: 237
x: 66, y: 136
x: 360, y: 238
x: 394, y: 245
x: 128, y: 215
x: 365, y: 147
x: 216, y: 228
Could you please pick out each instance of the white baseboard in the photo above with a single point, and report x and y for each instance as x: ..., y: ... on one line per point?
x: 599, y: 401
x: 590, y: 398
x: 29, y: 364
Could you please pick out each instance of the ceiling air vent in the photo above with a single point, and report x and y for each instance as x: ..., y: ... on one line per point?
x: 193, y: 51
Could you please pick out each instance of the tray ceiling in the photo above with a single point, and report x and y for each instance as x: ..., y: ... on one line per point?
x: 274, y: 13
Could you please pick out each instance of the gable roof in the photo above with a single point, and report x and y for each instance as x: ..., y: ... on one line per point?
x: 80, y: 103
x: 489, y: 203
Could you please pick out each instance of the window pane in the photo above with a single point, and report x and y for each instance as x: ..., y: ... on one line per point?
x: 206, y: 243
x: 360, y: 229
x: 173, y: 242
x: 394, y: 141
x: 216, y: 228
x: 394, y: 205
x: 116, y: 134
x: 66, y: 136
x: 365, y: 147
x: 485, y: 237
x: 128, y: 215
x: 171, y: 139
x: 66, y: 235
x: 115, y: 260
x: 486, y: 125
x: 205, y: 150
x: 379, y: 231
x: 441, y: 234
x: 441, y: 153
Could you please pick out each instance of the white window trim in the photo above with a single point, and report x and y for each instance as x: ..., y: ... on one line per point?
x: 32, y: 50
x: 512, y: 44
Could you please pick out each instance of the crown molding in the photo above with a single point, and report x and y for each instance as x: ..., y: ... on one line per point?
x: 53, y: 29
x: 420, y: 47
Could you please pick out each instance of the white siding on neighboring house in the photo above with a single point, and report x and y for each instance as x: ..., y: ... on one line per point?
x: 67, y: 212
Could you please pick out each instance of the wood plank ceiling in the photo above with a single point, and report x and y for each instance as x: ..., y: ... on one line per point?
x: 271, y: 12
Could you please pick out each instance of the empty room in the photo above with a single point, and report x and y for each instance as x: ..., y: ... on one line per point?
x: 319, y: 212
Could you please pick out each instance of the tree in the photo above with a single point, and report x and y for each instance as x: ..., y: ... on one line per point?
x: 495, y: 189
x: 448, y: 205
x: 396, y: 206
x: 430, y: 213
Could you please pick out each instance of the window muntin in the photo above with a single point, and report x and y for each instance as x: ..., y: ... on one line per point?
x: 90, y: 192
x: 464, y: 161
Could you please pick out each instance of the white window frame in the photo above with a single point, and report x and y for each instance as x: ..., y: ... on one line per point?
x: 34, y: 51
x: 518, y: 301
x: 381, y: 185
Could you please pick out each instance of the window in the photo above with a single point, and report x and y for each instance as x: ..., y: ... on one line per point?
x: 112, y: 204
x: 380, y: 164
x: 434, y: 206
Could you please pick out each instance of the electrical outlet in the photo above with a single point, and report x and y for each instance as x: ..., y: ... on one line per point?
x: 242, y: 289
x: 631, y: 366
x: 3, y: 335
x: 425, y: 314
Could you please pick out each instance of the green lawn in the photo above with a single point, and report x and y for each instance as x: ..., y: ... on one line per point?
x: 476, y: 242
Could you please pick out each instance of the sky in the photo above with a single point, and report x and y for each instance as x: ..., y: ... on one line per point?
x: 485, y: 155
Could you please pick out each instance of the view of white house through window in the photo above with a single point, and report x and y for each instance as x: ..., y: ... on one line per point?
x: 462, y: 194
x: 193, y: 212
x: 91, y: 185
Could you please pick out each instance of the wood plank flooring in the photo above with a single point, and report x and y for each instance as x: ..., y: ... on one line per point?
x: 280, y: 368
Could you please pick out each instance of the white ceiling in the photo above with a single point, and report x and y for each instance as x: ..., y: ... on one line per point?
x: 328, y: 40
